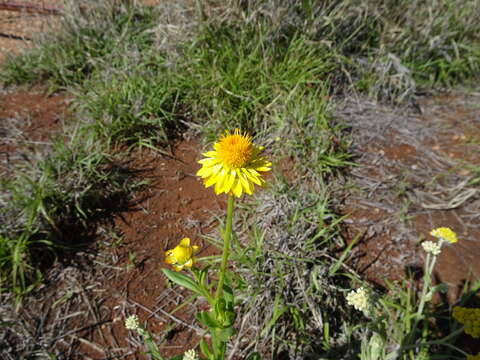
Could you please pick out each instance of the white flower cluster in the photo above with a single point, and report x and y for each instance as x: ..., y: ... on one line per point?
x: 190, y: 355
x: 431, y: 247
x: 132, y: 322
x: 360, y: 300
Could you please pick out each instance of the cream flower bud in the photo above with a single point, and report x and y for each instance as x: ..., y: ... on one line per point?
x: 431, y: 247
x: 132, y: 322
x: 190, y: 355
x: 360, y: 300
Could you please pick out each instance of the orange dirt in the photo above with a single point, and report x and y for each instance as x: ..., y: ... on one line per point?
x: 173, y: 206
x: 403, y: 177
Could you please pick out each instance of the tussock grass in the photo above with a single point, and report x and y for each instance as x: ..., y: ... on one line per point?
x: 234, y: 76
x: 387, y: 48
x: 52, y: 201
x: 90, y: 35
x: 286, y: 270
x: 135, y: 104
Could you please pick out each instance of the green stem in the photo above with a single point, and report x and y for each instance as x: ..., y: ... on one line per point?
x: 429, y: 265
x: 426, y: 286
x: 226, y: 247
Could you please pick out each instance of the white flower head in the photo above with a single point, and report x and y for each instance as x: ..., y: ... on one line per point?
x: 360, y: 299
x: 190, y: 355
x: 431, y: 247
x: 132, y: 322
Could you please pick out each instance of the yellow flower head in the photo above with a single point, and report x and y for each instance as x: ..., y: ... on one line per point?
x: 182, y: 255
x: 473, y: 357
x: 234, y: 165
x: 444, y: 233
x: 470, y: 318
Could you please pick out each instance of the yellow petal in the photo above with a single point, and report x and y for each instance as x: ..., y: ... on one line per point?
x: 177, y: 267
x: 208, y: 162
x: 220, y: 181
x: 249, y: 188
x: 245, y: 183
x: 195, y: 249
x: 210, y: 154
x: 237, y: 188
x: 210, y: 181
x: 205, y: 172
x: 227, y: 186
x: 189, y: 263
x: 251, y: 177
x: 185, y: 242
x: 263, y: 168
x: 169, y: 258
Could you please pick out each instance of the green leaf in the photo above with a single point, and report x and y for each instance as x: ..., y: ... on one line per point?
x: 229, y: 318
x: 177, y: 357
x: 278, y: 310
x: 224, y: 313
x: 342, y: 258
x: 205, y: 349
x: 207, y: 319
x: 203, y: 275
x: 183, y: 280
x: 442, y: 288
x: 226, y: 333
x: 254, y: 356
x: 228, y: 295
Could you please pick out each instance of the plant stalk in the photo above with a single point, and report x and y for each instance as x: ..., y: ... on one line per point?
x: 226, y: 247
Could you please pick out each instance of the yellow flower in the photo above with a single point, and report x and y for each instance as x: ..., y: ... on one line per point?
x: 473, y: 357
x: 444, y: 233
x: 182, y: 255
x: 234, y: 165
x: 470, y: 318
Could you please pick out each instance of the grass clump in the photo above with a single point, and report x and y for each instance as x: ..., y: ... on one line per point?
x: 88, y: 39
x: 53, y: 201
x: 386, y: 48
x: 233, y: 76
x: 289, y: 288
x: 136, y: 103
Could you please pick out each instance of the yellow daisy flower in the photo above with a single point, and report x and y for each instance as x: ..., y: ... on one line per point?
x: 182, y: 255
x: 234, y: 165
x: 470, y: 318
x: 444, y: 233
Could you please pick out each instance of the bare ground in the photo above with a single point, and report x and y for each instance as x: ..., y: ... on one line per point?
x: 415, y: 174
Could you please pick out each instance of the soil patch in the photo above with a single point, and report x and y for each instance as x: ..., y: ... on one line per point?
x: 174, y: 205
x: 415, y: 174
x: 18, y: 28
x: 28, y: 120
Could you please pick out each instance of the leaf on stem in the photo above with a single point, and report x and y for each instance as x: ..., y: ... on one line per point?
x: 183, y: 280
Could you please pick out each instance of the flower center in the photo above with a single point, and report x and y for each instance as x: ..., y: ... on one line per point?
x: 235, y: 150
